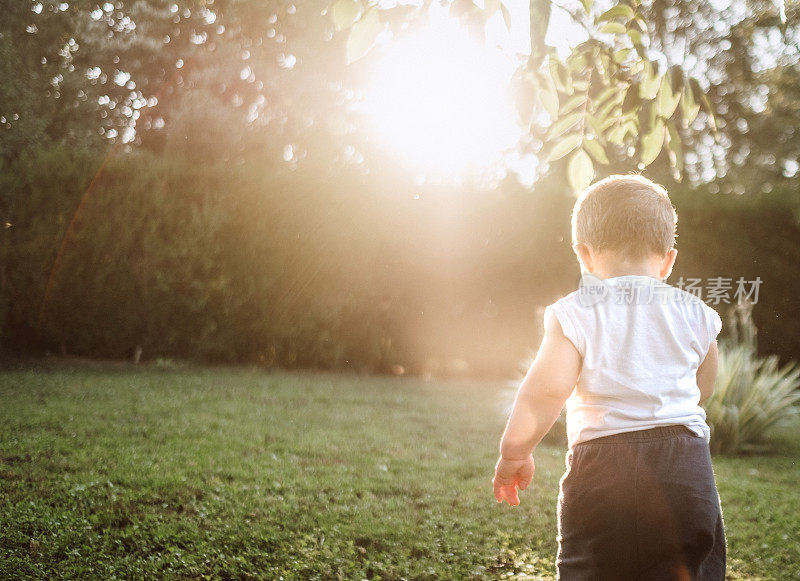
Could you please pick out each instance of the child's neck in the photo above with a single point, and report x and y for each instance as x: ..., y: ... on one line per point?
x: 606, y: 263
x: 611, y: 270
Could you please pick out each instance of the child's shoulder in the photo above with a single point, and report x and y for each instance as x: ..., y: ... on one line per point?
x: 567, y: 299
x: 594, y: 292
x: 684, y: 297
x: 567, y: 303
x: 697, y: 305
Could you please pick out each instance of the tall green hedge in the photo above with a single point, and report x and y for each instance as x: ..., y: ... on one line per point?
x: 307, y: 266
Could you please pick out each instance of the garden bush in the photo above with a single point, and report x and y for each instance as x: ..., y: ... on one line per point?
x: 322, y: 265
x: 752, y: 394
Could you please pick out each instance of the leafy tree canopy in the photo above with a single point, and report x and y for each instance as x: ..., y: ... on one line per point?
x: 703, y: 88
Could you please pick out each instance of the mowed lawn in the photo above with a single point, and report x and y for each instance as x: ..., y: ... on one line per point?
x: 234, y: 473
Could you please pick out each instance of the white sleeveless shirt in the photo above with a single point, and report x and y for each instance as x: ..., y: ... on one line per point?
x: 641, y: 341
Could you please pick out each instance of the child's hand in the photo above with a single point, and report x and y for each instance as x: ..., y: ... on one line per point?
x: 510, y: 475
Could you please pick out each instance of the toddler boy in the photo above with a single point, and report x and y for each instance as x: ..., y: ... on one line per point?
x: 632, y: 357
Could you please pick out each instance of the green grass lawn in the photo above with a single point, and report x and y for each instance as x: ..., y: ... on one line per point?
x: 231, y: 473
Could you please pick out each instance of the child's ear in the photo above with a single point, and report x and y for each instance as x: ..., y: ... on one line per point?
x: 584, y: 254
x: 667, y: 263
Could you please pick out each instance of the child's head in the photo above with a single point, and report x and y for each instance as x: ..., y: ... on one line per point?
x: 622, y: 221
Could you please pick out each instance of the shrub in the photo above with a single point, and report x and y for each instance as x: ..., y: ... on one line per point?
x: 237, y: 258
x: 752, y: 393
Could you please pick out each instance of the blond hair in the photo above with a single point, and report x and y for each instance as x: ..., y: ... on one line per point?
x: 625, y: 213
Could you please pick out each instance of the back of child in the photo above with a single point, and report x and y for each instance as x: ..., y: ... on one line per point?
x: 632, y: 357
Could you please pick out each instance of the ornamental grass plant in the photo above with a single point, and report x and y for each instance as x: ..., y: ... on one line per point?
x: 752, y: 394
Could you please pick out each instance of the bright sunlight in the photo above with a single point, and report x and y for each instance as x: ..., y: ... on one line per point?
x: 440, y: 100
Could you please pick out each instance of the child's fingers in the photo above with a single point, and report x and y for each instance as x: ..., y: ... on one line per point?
x: 507, y: 492
x: 510, y: 475
x: 498, y: 490
x: 511, y: 496
x: 525, y: 476
x: 497, y: 494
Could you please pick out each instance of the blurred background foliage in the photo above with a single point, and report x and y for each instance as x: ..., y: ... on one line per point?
x: 753, y: 395
x: 195, y: 179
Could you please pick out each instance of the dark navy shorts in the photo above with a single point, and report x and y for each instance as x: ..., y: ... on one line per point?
x: 640, y: 505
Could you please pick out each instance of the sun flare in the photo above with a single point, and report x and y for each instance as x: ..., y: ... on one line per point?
x: 440, y: 100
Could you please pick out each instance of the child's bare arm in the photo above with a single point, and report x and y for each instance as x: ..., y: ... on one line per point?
x: 548, y: 383
x: 707, y: 373
x: 541, y: 396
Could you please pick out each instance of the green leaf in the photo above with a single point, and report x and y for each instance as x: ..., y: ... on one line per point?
x: 587, y: 5
x: 689, y: 106
x: 636, y: 37
x: 580, y: 85
x: 605, y: 61
x: 576, y: 62
x: 345, y: 13
x: 613, y: 28
x: 705, y: 106
x: 622, y: 55
x: 540, y: 21
x: 618, y: 11
x: 563, y: 124
x: 676, y: 77
x: 648, y: 89
x: 605, y: 111
x: 564, y: 146
x: 632, y: 99
x: 593, y: 147
x: 548, y: 95
x: 560, y: 76
x: 631, y: 128
x: 362, y: 36
x: 524, y: 90
x: 667, y: 100
x: 610, y: 121
x: 506, y: 15
x: 639, y: 24
x: 597, y: 127
x: 600, y: 127
x: 675, y: 148
x: 697, y: 90
x: 652, y: 143
x: 608, y: 93
x: 617, y: 135
x: 647, y: 115
x: 573, y: 103
x: 780, y: 5
x: 580, y: 171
